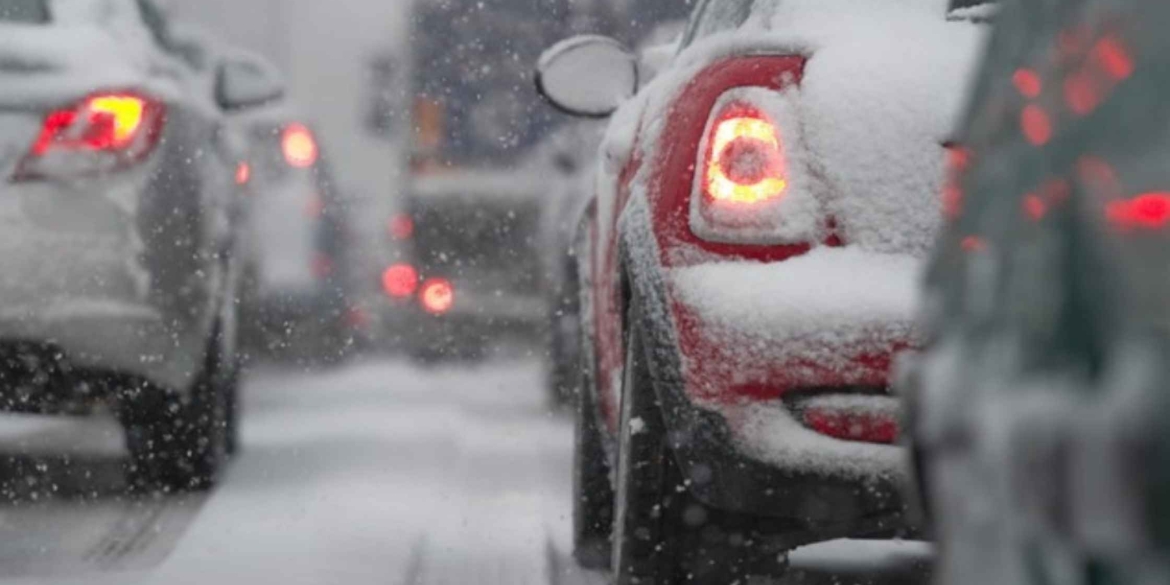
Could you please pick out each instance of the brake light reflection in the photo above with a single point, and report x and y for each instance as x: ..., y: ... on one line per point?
x: 437, y: 296
x: 745, y: 162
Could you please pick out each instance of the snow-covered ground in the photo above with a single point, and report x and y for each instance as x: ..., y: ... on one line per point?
x: 376, y: 473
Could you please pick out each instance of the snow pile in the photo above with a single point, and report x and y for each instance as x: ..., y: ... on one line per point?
x: 768, y: 432
x: 881, y: 97
x: 827, y: 306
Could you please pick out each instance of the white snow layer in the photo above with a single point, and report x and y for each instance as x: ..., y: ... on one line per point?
x: 828, y: 305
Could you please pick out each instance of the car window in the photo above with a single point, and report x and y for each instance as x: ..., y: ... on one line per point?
x: 715, y: 16
x: 24, y: 11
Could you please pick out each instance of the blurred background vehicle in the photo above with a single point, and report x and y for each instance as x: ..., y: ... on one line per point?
x: 751, y: 279
x: 120, y: 248
x: 1038, y: 407
x: 296, y: 299
x: 472, y: 276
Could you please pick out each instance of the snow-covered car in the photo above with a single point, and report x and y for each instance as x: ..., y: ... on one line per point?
x: 118, y: 266
x: 1038, y: 406
x: 471, y: 275
x: 763, y: 207
x: 296, y: 295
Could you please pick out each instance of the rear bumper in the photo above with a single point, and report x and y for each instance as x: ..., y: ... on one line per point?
x: 732, y: 434
x: 108, y: 337
x: 81, y: 274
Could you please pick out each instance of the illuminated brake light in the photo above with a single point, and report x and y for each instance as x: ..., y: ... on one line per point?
x: 243, y: 173
x: 109, y: 131
x: 400, y: 281
x: 1149, y: 211
x: 299, y: 146
x: 745, y: 164
x: 437, y: 296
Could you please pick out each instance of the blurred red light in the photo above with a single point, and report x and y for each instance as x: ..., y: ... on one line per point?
x: 400, y: 281
x: 299, y: 146
x: 322, y: 266
x: 401, y: 227
x: 973, y: 244
x: 1036, y: 125
x: 243, y: 173
x: 1027, y: 82
x: 438, y: 296
x: 1114, y: 58
x: 1035, y: 207
x: 1148, y: 211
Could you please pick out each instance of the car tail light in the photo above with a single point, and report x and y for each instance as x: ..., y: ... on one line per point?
x: 744, y: 159
x: 299, y: 146
x: 243, y: 173
x: 400, y: 281
x: 1150, y: 211
x: 437, y: 296
x: 101, y: 133
x: 401, y: 227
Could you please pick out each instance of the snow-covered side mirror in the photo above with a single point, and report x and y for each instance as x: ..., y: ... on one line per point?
x: 246, y: 81
x: 587, y: 75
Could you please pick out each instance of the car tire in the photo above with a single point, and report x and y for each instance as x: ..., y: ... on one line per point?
x: 662, y: 535
x: 592, y: 488
x: 182, y: 446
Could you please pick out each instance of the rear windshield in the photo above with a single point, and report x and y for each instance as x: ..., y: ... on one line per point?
x: 715, y: 16
x: 24, y: 11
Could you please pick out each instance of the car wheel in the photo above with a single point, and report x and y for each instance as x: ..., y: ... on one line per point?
x: 592, y: 490
x: 662, y: 535
x: 178, y: 446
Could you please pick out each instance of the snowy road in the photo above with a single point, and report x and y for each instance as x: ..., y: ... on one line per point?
x: 378, y: 473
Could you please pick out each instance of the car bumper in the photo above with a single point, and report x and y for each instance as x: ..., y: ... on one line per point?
x: 733, y: 433
x: 78, y: 276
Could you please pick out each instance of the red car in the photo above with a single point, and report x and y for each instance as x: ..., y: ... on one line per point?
x: 762, y: 209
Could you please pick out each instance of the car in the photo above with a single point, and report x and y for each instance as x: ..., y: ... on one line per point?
x: 296, y: 298
x: 1037, y: 406
x: 471, y: 275
x: 569, y: 155
x: 119, y: 247
x: 763, y: 207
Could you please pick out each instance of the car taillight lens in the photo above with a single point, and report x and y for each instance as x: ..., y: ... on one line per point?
x: 437, y: 296
x: 745, y: 161
x: 400, y: 281
x: 299, y: 146
x: 102, y: 133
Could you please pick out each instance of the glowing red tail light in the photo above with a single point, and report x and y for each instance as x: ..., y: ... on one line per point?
x: 299, y: 146
x: 103, y: 132
x: 400, y: 281
x: 745, y: 161
x: 437, y: 296
x: 1149, y: 211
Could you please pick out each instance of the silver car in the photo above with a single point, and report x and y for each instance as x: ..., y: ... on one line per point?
x: 117, y: 186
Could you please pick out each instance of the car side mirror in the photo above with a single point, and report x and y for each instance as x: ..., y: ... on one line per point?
x: 587, y: 75
x: 245, y: 81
